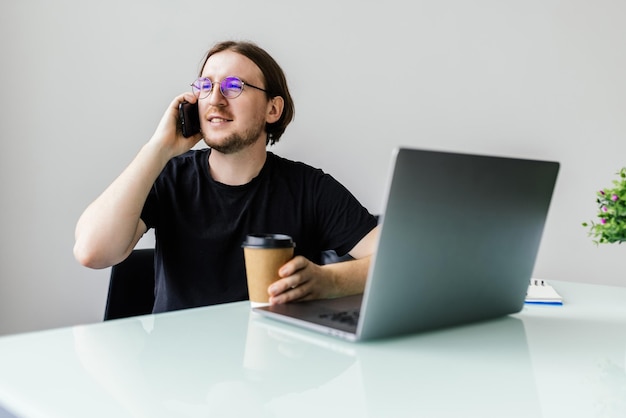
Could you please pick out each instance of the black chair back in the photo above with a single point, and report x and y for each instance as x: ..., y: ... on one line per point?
x: 131, y: 286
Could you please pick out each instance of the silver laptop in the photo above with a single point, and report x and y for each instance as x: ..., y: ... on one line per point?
x: 458, y: 242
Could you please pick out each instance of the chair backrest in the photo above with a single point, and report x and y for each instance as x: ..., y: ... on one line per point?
x: 131, y: 286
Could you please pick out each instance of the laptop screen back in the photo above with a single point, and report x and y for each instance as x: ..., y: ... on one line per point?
x: 459, y: 239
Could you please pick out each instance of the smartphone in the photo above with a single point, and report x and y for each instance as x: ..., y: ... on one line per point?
x: 189, y: 118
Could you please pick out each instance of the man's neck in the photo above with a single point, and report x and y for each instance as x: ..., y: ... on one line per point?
x: 239, y: 168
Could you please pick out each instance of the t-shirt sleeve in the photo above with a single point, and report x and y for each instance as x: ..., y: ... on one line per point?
x: 149, y: 211
x: 163, y: 191
x: 342, y: 218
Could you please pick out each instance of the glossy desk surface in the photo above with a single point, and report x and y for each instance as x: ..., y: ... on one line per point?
x: 224, y: 361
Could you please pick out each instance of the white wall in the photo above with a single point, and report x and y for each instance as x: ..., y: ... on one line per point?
x: 84, y: 83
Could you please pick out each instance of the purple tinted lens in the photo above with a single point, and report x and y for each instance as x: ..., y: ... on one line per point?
x: 201, y: 87
x: 231, y: 87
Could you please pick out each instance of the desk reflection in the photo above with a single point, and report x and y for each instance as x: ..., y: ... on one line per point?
x: 238, y: 367
x: 250, y: 365
x: 485, y: 368
x: 586, y: 352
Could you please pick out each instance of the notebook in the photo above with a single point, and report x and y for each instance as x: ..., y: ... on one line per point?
x: 540, y: 292
x: 458, y: 240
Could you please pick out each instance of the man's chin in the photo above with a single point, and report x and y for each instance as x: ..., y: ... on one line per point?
x: 224, y: 148
x: 231, y: 145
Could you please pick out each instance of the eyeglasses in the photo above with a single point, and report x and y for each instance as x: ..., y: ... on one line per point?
x: 231, y: 87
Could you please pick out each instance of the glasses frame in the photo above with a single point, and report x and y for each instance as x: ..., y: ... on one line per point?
x: 222, y: 88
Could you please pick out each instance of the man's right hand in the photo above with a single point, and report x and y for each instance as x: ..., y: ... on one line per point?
x: 168, y: 136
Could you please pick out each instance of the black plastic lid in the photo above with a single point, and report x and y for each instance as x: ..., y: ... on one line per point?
x: 268, y: 241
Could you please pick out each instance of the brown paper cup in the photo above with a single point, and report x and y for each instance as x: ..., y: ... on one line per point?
x: 264, y: 255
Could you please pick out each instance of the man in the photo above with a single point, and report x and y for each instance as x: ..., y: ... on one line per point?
x: 202, y: 203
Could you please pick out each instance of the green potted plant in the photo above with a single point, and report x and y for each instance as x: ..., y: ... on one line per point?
x: 611, y: 224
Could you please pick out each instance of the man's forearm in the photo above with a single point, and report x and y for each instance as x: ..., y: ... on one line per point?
x: 348, y: 277
x: 110, y: 226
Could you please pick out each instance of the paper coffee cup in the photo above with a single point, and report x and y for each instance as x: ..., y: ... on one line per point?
x: 264, y: 255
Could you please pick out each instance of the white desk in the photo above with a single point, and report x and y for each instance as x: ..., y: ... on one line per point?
x: 223, y: 361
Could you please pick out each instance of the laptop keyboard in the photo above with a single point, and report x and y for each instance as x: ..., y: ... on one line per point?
x: 345, y: 317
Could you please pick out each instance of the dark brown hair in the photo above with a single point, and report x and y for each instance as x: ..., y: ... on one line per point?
x: 275, y: 81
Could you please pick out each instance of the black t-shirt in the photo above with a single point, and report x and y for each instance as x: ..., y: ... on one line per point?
x: 200, y: 224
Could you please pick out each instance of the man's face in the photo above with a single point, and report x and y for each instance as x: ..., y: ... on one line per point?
x: 230, y: 125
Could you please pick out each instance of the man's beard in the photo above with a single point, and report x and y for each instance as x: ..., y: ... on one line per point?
x: 237, y: 141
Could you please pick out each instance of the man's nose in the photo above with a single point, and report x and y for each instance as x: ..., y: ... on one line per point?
x: 215, y: 96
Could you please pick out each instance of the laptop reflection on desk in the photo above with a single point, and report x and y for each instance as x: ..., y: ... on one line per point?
x: 483, y: 369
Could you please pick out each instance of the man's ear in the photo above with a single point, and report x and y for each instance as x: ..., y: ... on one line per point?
x: 274, y: 109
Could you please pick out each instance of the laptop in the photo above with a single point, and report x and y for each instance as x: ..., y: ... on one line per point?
x: 458, y: 242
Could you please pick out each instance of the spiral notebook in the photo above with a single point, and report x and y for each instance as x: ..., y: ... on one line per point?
x: 542, y: 293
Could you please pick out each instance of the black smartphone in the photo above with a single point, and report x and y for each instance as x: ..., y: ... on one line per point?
x: 189, y: 118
